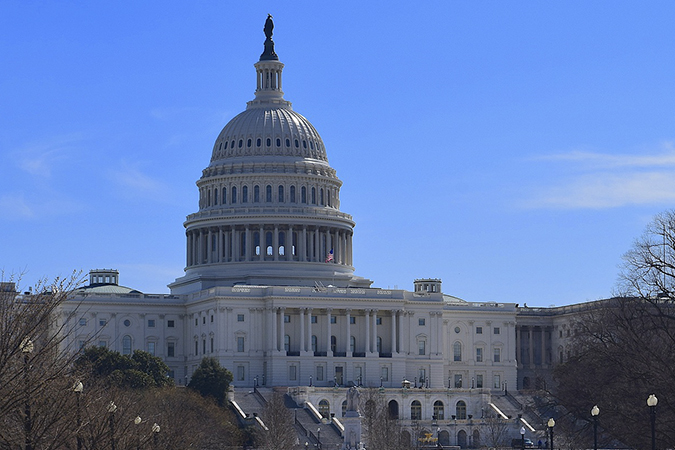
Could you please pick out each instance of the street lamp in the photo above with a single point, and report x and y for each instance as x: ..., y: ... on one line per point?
x: 155, y: 433
x: 27, y: 348
x: 78, y: 387
x: 318, y: 437
x: 522, y: 438
x: 651, y: 402
x: 137, y: 421
x: 112, y: 407
x: 594, y: 412
x: 551, y: 424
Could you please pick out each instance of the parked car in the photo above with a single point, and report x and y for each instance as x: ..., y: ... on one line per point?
x: 517, y: 443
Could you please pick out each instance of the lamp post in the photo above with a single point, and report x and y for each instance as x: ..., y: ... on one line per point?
x: 651, y: 402
x: 551, y: 424
x: 112, y: 407
x: 318, y: 437
x: 27, y: 349
x: 137, y: 421
x: 594, y: 412
x: 78, y: 387
x: 522, y: 438
x: 155, y: 433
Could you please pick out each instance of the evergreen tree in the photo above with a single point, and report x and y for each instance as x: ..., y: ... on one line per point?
x: 211, y: 380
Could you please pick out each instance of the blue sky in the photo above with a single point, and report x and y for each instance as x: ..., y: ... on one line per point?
x: 513, y: 149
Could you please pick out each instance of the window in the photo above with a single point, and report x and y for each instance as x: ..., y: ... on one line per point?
x: 460, y: 410
x: 203, y: 346
x: 171, y: 350
x: 215, y: 196
x: 314, y: 340
x: 196, y: 321
x: 333, y: 343
x: 319, y: 373
x: 268, y: 193
x: 497, y: 381
x: 439, y: 410
x: 352, y: 320
x: 303, y: 194
x: 421, y: 322
x: 479, y: 330
x: 211, y: 319
x: 333, y: 319
x: 83, y: 322
x: 151, y: 348
x: 314, y: 319
x: 244, y: 194
x: 287, y: 318
x: 457, y: 351
x: 280, y: 196
x: 204, y: 320
x: 416, y: 410
x: 102, y: 322
x: 211, y: 345
x: 233, y: 195
x: 384, y: 373
x: 497, y: 355
x: 457, y: 330
x: 324, y: 408
x: 352, y: 344
x: 240, y: 343
x: 378, y: 320
x: 479, y: 354
x: 293, y: 373
x: 103, y: 344
x: 292, y: 194
x: 196, y: 347
x: 379, y: 344
x: 287, y: 343
x: 496, y: 330
x: 422, y: 375
x: 422, y: 346
x: 151, y: 323
x: 240, y: 317
x: 241, y: 373
x: 170, y: 323
x: 126, y: 345
x: 256, y: 194
x: 458, y: 381
x: 479, y: 381
x: 313, y: 196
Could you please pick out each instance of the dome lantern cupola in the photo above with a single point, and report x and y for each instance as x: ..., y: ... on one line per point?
x: 269, y: 204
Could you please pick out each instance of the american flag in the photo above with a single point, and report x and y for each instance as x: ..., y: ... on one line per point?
x: 329, y: 258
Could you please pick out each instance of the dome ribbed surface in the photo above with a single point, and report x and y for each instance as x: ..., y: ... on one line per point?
x: 259, y: 132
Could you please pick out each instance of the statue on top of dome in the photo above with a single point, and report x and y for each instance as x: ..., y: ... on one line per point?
x: 269, y: 53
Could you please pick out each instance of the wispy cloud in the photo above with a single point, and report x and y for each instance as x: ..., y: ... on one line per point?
x: 14, y: 206
x: 135, y: 182
x: 603, y: 180
x: 40, y: 158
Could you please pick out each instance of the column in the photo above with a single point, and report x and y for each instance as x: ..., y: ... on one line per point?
x: 261, y: 243
x: 303, y: 341
x: 249, y: 246
x: 530, y: 339
x: 328, y: 316
x: 209, y: 247
x: 393, y: 331
x: 348, y: 313
x: 519, y: 352
x: 317, y: 245
x: 290, y: 248
x: 275, y: 243
x: 368, y: 349
x: 374, y: 330
x: 543, y: 346
x: 229, y: 334
x: 273, y: 319
x: 303, y: 244
x: 308, y: 342
x: 349, y: 249
x: 281, y: 329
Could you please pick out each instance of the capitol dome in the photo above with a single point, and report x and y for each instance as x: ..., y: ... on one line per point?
x: 269, y: 202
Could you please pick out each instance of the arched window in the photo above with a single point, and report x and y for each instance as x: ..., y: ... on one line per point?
x: 287, y: 343
x: 268, y: 193
x: 439, y: 411
x: 314, y: 341
x: 393, y: 409
x: 282, y: 243
x: 292, y: 199
x: 256, y: 242
x: 379, y: 344
x: 303, y: 194
x: 208, y: 197
x: 244, y: 194
x: 352, y: 344
x: 281, y: 194
x: 324, y: 408
x: 457, y: 351
x: 313, y: 196
x: 333, y: 344
x: 256, y: 194
x: 126, y: 345
x: 460, y: 410
x: 224, y: 197
x: 268, y: 243
x: 321, y: 196
x: 234, y: 195
x: 416, y: 410
x: 215, y: 196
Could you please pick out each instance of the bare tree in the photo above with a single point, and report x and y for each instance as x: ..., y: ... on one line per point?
x: 280, y: 433
x: 381, y: 430
x: 497, y: 431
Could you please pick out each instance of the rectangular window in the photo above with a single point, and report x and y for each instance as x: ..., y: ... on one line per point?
x: 170, y: 323
x: 240, y: 317
x: 287, y: 318
x: 203, y: 346
x: 378, y: 320
x: 314, y: 319
x: 292, y: 373
x: 352, y: 320
x: 83, y: 322
x: 333, y: 319
x: 204, y: 320
x: 458, y: 381
x: 151, y: 348
x: 240, y: 343
x: 479, y: 330
x: 496, y: 381
x: 151, y: 323
x: 385, y: 373
x: 171, y: 350
x: 497, y: 355
x: 196, y: 347
x: 421, y: 322
x: 422, y: 375
x: 422, y: 344
x: 102, y: 322
x: 196, y: 321
x: 319, y: 373
x: 479, y: 381
x: 211, y: 319
x: 241, y: 373
x: 497, y: 330
x: 479, y: 354
x: 211, y: 345
x: 103, y: 344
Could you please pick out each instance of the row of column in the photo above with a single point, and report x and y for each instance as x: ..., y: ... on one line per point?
x: 268, y: 243
x: 521, y: 350
x: 269, y: 79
